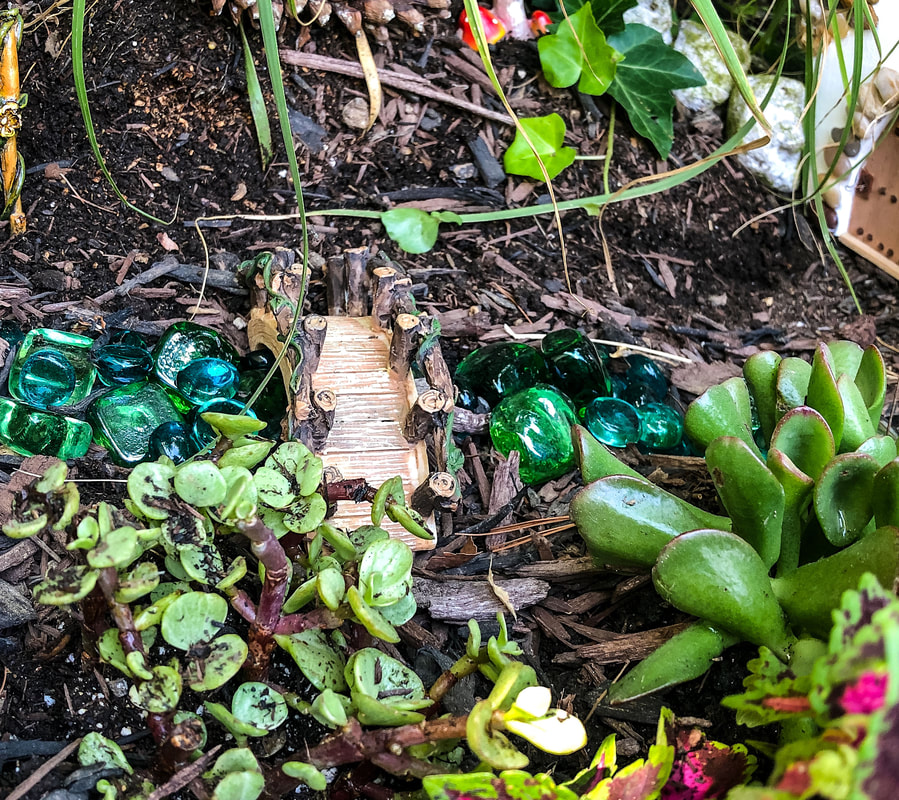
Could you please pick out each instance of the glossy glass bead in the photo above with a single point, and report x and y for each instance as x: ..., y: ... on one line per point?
x: 641, y: 368
x: 10, y: 332
x: 662, y: 427
x: 207, y: 379
x: 184, y: 342
x: 263, y: 358
x: 124, y: 418
x: 47, y: 381
x: 172, y: 439
x: 31, y: 431
x: 131, y: 338
x: 618, y: 383
x: 500, y: 369
x: 638, y: 394
x: 537, y: 423
x: 120, y: 364
x: 200, y: 432
x: 270, y: 406
x: 614, y: 422
x: 575, y: 366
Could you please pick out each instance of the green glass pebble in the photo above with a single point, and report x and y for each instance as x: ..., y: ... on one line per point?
x: 638, y: 394
x: 663, y: 427
x: 32, y: 432
x: 46, y: 379
x: 537, y: 423
x: 120, y: 364
x: 184, y: 342
x: 131, y: 338
x: 201, y: 433
x: 641, y: 368
x: 575, y: 366
x: 10, y: 332
x: 208, y: 379
x: 498, y: 370
x: 172, y: 439
x: 614, y: 422
x: 124, y: 418
x: 270, y: 406
x: 45, y: 382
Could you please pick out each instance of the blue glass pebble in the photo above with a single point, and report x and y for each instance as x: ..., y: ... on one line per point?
x: 172, y: 439
x: 641, y: 368
x: 46, y: 378
x: 614, y: 422
x: 208, y: 379
x: 122, y: 363
x: 662, y: 427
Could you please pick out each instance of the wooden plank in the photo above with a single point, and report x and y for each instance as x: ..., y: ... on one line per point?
x: 366, y: 440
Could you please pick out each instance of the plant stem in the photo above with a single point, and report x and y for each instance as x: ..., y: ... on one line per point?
x: 610, y: 146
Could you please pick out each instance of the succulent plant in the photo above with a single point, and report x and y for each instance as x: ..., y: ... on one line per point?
x: 811, y: 494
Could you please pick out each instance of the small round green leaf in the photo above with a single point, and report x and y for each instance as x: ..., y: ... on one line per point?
x: 385, y: 572
x: 317, y: 658
x: 306, y: 773
x: 141, y: 580
x: 160, y: 694
x: 150, y: 488
x: 259, y: 705
x: 193, y: 618
x: 215, y: 667
x: 118, y: 548
x: 233, y: 425
x: 201, y: 484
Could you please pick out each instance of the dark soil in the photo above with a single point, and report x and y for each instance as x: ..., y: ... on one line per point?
x: 167, y: 93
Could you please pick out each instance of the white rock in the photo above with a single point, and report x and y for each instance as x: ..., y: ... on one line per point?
x: 778, y: 162
x: 695, y: 42
x: 655, y: 14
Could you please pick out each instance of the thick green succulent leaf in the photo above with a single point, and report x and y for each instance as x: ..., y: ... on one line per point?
x: 810, y: 594
x: 306, y: 773
x: 685, y: 656
x: 331, y: 709
x: 510, y: 784
x: 492, y: 747
x: 97, y: 749
x: 203, y: 563
x: 222, y: 661
x: 117, y: 548
x: 318, y: 659
x: 824, y: 395
x: 885, y: 495
x: 843, y: 497
x: 752, y: 495
x: 373, y: 673
x: 247, y: 456
x: 595, y: 459
x: 274, y: 488
x: 722, y: 410
x: 239, y: 786
x: 296, y: 461
x: 717, y: 576
x: 846, y: 357
x: 881, y: 448
x: 401, y: 611
x: 857, y: 425
x: 331, y: 587
x: 370, y: 711
x: 760, y: 374
x: 872, y: 382
x: 803, y: 436
x: 370, y: 618
x: 233, y: 426
x: 305, y: 514
x: 193, y: 618
x: 792, y: 384
x: 627, y: 521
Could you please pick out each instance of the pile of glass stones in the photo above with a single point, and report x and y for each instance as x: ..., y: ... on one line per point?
x: 534, y: 396
x: 66, y: 390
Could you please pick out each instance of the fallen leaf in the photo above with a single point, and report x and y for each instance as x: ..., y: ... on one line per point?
x: 239, y: 193
x: 501, y: 594
x: 697, y: 377
x: 166, y: 242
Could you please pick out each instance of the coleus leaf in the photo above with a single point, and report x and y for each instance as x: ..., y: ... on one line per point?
x: 546, y: 134
x: 647, y: 73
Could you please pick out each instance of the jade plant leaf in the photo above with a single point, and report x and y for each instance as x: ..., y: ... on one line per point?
x: 150, y: 489
x: 297, y: 462
x: 233, y: 426
x: 803, y: 436
x: 722, y: 410
x: 237, y: 759
x: 239, y: 786
x: 306, y: 773
x: 331, y: 587
x: 491, y: 746
x: 118, y: 548
x: 810, y: 594
x: 685, y: 656
x: 305, y: 514
x: 240, y: 492
x: 221, y: 662
x: 202, y: 562
x: 331, y: 709
x: 823, y: 394
x: 846, y: 357
x: 882, y: 449
x: 547, y: 135
x: 760, y: 374
x: 193, y: 618
x: 857, y: 425
x: 628, y: 521
x: 413, y: 229
x: 321, y: 663
x: 843, y: 497
x: 400, y: 612
x: 247, y: 455
x: 97, y: 749
x: 717, y: 576
x: 201, y: 484
x: 750, y: 492
x: 792, y: 383
x: 274, y: 487
x: 871, y: 382
x: 385, y: 572
x: 885, y: 494
x: 595, y: 459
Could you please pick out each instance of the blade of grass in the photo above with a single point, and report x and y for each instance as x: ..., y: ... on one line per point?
x: 78, y: 7
x: 257, y: 103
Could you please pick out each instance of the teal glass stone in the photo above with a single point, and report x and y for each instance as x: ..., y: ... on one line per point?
x: 200, y: 432
x: 47, y: 381
x: 263, y: 359
x: 614, y: 422
x: 120, y: 364
x: 618, y: 383
x: 172, y: 439
x: 575, y: 366
x: 270, y: 406
x: 33, y: 432
x: 537, y: 423
x: 639, y: 394
x: 124, y: 418
x: 10, y: 332
x: 498, y: 370
x: 208, y: 379
x: 184, y: 342
x: 641, y: 368
x: 662, y: 428
x: 131, y: 338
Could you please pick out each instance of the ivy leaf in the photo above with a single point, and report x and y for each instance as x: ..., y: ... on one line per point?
x: 546, y: 134
x: 643, y: 82
x: 414, y: 230
x: 609, y: 14
x: 578, y: 52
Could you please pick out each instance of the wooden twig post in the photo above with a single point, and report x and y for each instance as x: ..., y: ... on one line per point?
x: 356, y: 261
x: 439, y: 492
x: 335, y: 286
x: 428, y: 412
